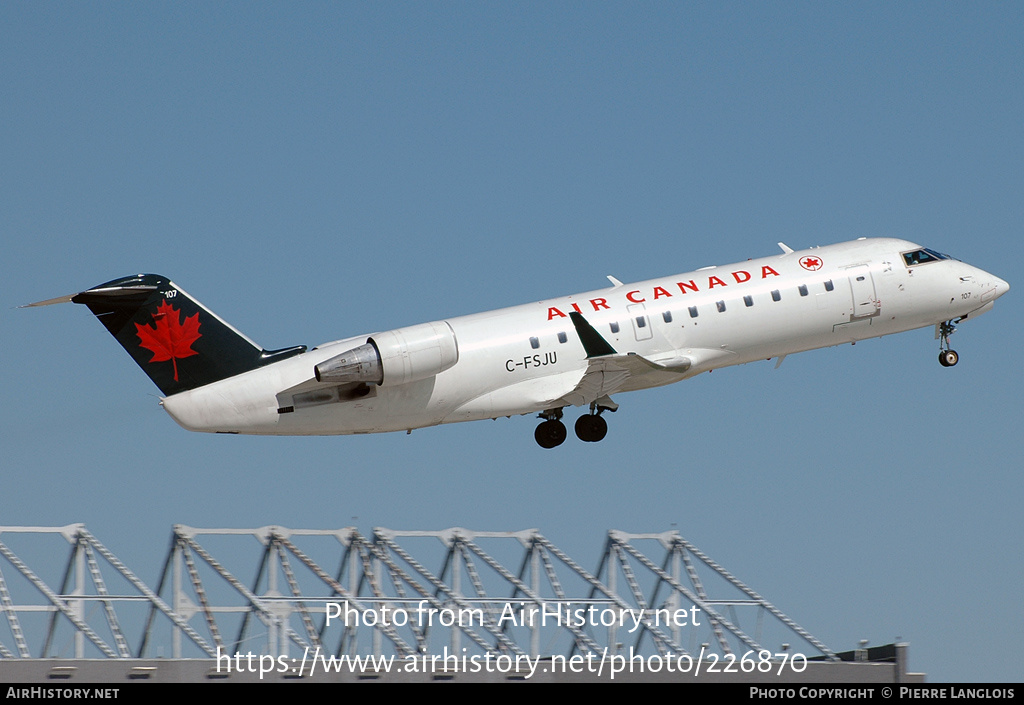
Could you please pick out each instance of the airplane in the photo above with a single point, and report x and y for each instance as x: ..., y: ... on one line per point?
x: 537, y: 358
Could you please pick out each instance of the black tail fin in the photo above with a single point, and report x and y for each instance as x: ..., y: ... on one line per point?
x: 178, y: 342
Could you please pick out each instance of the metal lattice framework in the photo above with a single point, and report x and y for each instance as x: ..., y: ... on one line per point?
x: 397, y: 592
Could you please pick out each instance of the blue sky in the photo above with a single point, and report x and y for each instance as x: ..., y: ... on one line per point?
x: 319, y: 170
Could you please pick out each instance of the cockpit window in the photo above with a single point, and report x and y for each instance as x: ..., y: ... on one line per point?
x: 923, y: 256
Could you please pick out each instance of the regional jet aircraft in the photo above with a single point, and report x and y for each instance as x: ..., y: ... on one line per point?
x: 536, y: 358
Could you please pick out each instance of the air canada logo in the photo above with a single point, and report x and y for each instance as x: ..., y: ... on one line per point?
x: 169, y: 338
x: 812, y: 264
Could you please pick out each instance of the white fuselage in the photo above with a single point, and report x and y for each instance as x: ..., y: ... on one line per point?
x: 528, y: 358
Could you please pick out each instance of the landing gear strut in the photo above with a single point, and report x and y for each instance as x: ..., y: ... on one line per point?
x: 551, y: 433
x: 947, y: 356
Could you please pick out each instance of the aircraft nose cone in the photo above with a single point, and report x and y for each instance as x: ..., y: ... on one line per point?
x: 1001, y: 287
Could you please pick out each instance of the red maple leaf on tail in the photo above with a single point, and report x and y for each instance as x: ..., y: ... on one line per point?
x: 169, y: 338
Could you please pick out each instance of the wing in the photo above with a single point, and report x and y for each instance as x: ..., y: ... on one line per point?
x: 614, y: 373
x: 609, y: 372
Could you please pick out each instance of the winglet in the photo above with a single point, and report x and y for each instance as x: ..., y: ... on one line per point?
x: 593, y: 343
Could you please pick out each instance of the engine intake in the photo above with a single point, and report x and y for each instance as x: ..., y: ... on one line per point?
x: 394, y: 357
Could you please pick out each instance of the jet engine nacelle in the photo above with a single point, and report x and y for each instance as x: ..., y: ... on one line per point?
x: 394, y: 357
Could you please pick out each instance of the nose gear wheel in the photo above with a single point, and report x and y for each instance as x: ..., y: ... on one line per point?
x: 947, y: 356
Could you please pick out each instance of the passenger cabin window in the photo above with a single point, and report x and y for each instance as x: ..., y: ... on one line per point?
x: 748, y: 301
x: 721, y: 306
x: 614, y: 325
x: 534, y: 343
x: 776, y: 296
x: 562, y: 337
x: 667, y: 315
x: 923, y: 256
x: 641, y: 321
x: 693, y: 312
x: 829, y: 286
x: 802, y: 289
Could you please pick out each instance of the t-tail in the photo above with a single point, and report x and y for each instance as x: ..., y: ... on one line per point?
x: 176, y: 340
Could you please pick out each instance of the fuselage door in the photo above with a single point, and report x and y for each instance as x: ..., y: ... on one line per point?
x: 641, y: 322
x: 862, y: 286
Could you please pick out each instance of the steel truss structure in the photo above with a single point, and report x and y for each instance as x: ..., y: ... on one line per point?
x: 335, y: 592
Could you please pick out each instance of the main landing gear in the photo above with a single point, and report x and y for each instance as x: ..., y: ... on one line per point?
x: 551, y: 432
x: 589, y: 428
x: 947, y: 356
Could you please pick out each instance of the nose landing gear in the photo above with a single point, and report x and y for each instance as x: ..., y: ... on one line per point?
x: 947, y: 356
